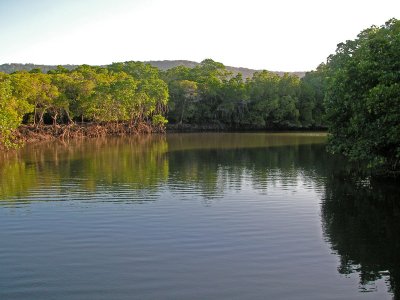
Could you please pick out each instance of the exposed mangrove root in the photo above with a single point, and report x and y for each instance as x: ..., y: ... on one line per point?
x: 32, y: 133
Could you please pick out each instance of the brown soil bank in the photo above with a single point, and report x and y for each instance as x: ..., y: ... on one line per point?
x: 31, y: 134
x: 226, y: 128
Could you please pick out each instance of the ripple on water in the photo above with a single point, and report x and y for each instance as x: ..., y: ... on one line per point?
x: 232, y: 217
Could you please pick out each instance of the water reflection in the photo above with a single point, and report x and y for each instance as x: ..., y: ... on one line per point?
x: 360, y: 219
x: 205, y: 163
x: 88, y: 166
x: 215, y: 170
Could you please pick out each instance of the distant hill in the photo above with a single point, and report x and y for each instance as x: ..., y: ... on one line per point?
x: 161, y: 64
x: 10, y: 68
x: 169, y: 64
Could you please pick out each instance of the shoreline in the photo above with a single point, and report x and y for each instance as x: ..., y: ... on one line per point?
x: 31, y: 134
x: 181, y: 128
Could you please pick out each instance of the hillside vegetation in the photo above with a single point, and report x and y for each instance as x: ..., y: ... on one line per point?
x: 363, y: 97
x: 162, y: 65
x: 356, y: 93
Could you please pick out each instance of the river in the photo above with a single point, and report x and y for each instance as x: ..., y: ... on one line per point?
x: 195, y: 216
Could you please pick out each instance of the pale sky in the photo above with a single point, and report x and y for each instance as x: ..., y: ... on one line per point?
x: 278, y: 35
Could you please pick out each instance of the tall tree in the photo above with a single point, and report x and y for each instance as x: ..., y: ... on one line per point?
x: 363, y: 97
x: 37, y: 89
x: 311, y: 99
x: 12, y: 110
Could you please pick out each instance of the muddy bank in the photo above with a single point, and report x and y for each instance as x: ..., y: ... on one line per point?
x: 222, y: 127
x: 32, y: 134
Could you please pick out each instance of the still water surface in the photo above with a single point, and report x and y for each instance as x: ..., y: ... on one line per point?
x: 194, y: 216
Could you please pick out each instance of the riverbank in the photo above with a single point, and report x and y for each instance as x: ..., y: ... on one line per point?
x: 216, y: 127
x: 33, y: 134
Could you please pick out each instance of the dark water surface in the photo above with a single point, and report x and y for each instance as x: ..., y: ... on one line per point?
x: 194, y: 216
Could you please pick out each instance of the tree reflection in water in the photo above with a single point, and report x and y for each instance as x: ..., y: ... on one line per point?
x: 361, y: 220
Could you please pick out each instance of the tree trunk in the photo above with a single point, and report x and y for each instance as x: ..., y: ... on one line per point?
x: 54, y: 117
x: 183, y: 110
x: 34, y: 116
x: 41, y: 117
x: 68, y: 116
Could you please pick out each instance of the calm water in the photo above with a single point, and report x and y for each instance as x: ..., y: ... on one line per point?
x: 194, y: 216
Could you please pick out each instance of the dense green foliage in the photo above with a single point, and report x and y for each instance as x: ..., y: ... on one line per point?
x: 363, y: 97
x: 359, y: 87
x: 12, y: 109
x: 210, y: 94
x: 133, y: 92
x: 129, y: 92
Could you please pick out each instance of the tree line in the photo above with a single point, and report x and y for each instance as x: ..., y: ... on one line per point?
x: 356, y: 94
x: 123, y: 92
x: 362, y: 98
x: 135, y: 92
x: 210, y: 94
